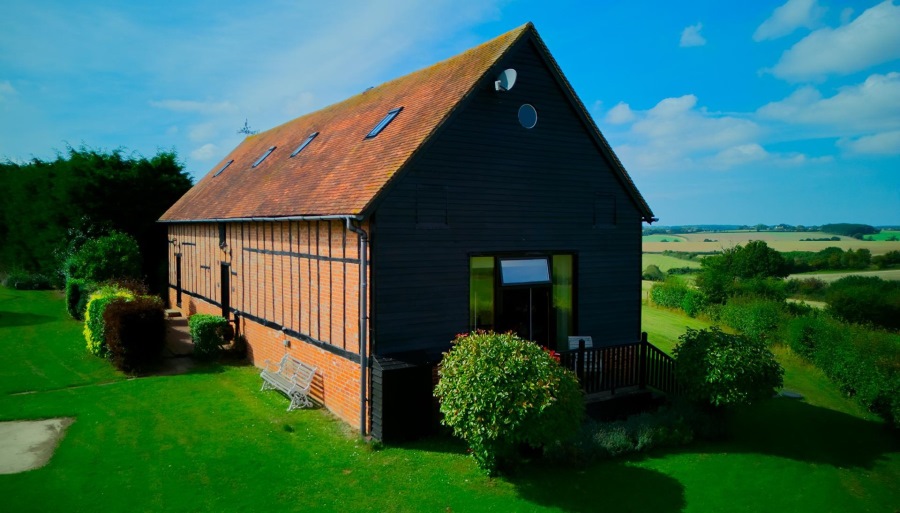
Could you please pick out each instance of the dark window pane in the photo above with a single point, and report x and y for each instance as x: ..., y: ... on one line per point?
x: 384, y: 122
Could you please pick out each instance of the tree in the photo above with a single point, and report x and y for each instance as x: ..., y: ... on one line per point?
x: 45, y: 200
x: 653, y: 273
x: 755, y: 261
x: 115, y: 256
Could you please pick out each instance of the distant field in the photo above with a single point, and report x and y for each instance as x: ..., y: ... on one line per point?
x: 884, y: 235
x: 665, y: 262
x: 663, y: 238
x: 781, y: 241
x: 890, y: 274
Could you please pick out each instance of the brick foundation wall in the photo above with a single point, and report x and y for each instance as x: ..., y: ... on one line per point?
x: 336, y: 385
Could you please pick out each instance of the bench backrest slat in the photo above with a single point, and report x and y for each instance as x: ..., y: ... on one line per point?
x: 294, y: 368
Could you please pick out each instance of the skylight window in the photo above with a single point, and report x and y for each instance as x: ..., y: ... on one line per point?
x: 266, y: 154
x: 219, y: 172
x: 305, y: 143
x: 384, y: 122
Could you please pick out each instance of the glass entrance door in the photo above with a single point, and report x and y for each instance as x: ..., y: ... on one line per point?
x: 527, y: 312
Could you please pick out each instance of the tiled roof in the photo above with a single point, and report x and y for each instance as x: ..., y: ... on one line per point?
x: 341, y: 172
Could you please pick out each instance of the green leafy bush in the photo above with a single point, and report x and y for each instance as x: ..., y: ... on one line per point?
x: 94, y: 325
x: 27, y: 281
x: 499, y: 392
x: 208, y: 333
x: 721, y: 370
x: 756, y: 318
x: 675, y: 293
x: 105, y: 258
x: 863, y: 362
x: 135, y: 331
x: 78, y: 293
x: 863, y: 299
x: 653, y: 273
x: 669, y: 294
x: 670, y: 426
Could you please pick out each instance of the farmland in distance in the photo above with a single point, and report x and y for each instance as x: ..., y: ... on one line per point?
x: 780, y: 241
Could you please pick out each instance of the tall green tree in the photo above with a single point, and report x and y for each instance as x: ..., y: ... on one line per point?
x: 720, y: 275
x: 47, y: 203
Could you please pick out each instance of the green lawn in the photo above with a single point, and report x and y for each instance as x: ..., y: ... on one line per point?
x: 665, y: 262
x: 210, y: 441
x: 884, y: 235
x: 656, y: 237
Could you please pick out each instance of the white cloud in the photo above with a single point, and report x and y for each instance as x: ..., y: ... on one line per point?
x: 886, y: 143
x: 871, y: 106
x: 195, y: 106
x: 619, y: 114
x: 205, y: 153
x: 690, y: 36
x: 205, y: 131
x: 739, y: 155
x: 6, y: 90
x: 872, y: 38
x: 678, y: 135
x: 788, y: 18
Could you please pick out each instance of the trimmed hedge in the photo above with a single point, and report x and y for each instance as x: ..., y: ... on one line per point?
x: 499, y: 392
x: 78, y: 293
x: 27, y: 281
x: 94, y: 325
x: 864, y: 363
x: 135, y: 331
x: 208, y: 333
x: 674, y: 293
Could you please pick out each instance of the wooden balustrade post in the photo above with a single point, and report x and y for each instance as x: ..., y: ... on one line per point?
x: 579, y: 369
x: 643, y: 354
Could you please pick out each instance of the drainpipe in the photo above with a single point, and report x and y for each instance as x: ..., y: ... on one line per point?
x: 363, y: 322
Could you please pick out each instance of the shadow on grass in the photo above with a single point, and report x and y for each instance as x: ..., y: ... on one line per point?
x: 794, y: 429
x: 11, y: 319
x: 606, y: 486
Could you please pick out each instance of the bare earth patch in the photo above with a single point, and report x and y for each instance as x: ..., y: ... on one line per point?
x: 29, y: 444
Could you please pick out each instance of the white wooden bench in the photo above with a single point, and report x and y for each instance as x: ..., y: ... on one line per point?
x: 292, y: 377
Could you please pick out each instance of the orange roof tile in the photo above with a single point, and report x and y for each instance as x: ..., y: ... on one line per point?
x: 341, y: 172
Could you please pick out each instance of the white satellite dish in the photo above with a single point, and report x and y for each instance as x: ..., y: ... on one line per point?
x: 506, y: 80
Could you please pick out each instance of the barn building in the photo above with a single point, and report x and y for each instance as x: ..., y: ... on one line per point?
x: 360, y: 238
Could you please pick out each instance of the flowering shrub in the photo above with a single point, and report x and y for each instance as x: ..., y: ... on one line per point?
x: 499, y: 392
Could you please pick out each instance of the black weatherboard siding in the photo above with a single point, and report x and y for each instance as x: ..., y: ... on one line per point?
x: 507, y: 189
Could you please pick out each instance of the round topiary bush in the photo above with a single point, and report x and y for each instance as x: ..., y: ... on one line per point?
x: 720, y: 370
x: 499, y: 392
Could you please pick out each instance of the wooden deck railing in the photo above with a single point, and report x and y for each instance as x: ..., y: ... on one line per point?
x: 641, y: 364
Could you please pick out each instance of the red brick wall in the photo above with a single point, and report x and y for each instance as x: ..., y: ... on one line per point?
x: 276, y: 276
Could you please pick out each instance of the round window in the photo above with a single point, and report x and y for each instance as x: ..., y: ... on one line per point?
x: 527, y: 116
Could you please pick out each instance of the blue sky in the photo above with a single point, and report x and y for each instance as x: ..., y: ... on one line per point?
x: 723, y: 112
